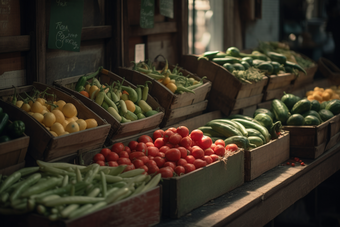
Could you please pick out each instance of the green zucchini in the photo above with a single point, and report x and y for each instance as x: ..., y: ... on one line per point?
x: 301, y: 106
x: 315, y: 105
x: 225, y: 129
x: 225, y: 121
x: 276, y: 67
x: 289, y: 100
x: 314, y: 113
x: 259, y: 127
x: 238, y: 66
x: 280, y: 58
x: 150, y: 113
x: 240, y: 116
x: 240, y: 141
x: 254, y: 132
x: 229, y: 67
x: 210, y: 54
x: 265, y: 120
x: 222, y: 61
x: 280, y: 111
x: 210, y: 131
x: 249, y: 60
x: 255, y: 140
x: 333, y: 106
x: 265, y: 67
x: 265, y: 111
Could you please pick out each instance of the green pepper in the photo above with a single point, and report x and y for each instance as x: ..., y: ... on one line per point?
x: 3, y: 121
x: 82, y: 80
x: 16, y: 128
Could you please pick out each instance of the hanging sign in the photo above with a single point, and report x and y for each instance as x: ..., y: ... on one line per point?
x: 147, y: 12
x: 167, y: 8
x: 66, y: 23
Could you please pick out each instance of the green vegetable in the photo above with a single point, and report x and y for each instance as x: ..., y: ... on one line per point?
x: 150, y: 113
x: 229, y: 67
x: 280, y: 58
x: 257, y: 126
x: 132, y: 93
x: 238, y: 66
x: 255, y: 140
x: 315, y: 105
x: 311, y: 120
x: 295, y: 66
x: 222, y: 61
x: 210, y: 131
x: 289, y: 100
x: 265, y: 67
x: 265, y: 111
x: 4, y: 138
x: 240, y: 116
x: 240, y: 141
x: 16, y: 128
x: 3, y: 121
x: 280, y: 110
x: 325, y: 114
x: 80, y: 86
x: 314, y: 113
x: 249, y: 60
x: 301, y: 106
x: 265, y: 120
x: 276, y: 67
x: 210, y: 54
x: 145, y: 91
x: 333, y: 106
x: 323, y: 105
x: 296, y: 120
x: 254, y: 132
x: 225, y: 129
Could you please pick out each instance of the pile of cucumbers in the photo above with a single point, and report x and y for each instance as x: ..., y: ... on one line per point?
x: 244, y: 131
x: 294, y: 111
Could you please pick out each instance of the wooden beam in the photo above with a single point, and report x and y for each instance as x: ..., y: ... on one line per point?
x: 96, y: 32
x: 159, y: 28
x: 40, y: 41
x: 14, y: 43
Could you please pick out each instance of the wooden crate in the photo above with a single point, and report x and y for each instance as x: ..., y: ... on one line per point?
x: 43, y: 145
x: 334, y: 130
x: 266, y: 157
x: 308, y: 141
x: 227, y: 92
x: 302, y: 79
x: 140, y: 210
x: 118, y: 130
x: 329, y: 70
x: 183, y: 194
x: 247, y: 111
x: 176, y: 106
x: 11, y: 169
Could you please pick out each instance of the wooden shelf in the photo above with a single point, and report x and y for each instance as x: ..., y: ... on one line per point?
x: 96, y: 32
x: 159, y: 28
x: 14, y: 43
x: 261, y: 200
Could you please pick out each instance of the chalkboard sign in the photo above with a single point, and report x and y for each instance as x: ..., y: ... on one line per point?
x: 147, y: 12
x: 66, y: 22
x: 167, y: 8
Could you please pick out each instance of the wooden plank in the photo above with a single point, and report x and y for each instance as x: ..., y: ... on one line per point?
x: 11, y: 169
x: 245, y: 102
x: 159, y: 28
x: 280, y: 80
x: 334, y: 125
x: 96, y: 32
x: 40, y: 41
x: 13, y: 78
x: 333, y: 141
x: 308, y: 152
x: 275, y: 93
x: 10, y: 18
x: 15, y: 43
x: 266, y: 105
x: 183, y: 111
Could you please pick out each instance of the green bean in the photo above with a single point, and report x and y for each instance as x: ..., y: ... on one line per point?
x: 72, y: 200
x: 14, y: 177
x: 34, y: 178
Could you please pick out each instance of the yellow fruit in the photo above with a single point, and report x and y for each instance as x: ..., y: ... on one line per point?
x: 64, y: 123
x: 330, y: 91
x: 30, y: 102
x: 64, y: 133
x: 59, y: 116
x: 37, y: 107
x: 19, y: 103
x: 316, y: 96
x: 69, y: 110
x: 26, y: 107
x: 91, y: 123
x: 308, y: 93
x: 72, y: 127
x: 166, y: 80
x: 58, y: 128
x: 82, y: 124
x: 75, y: 118
x: 316, y: 89
x: 60, y: 104
x: 172, y: 87
x: 335, y: 96
x: 310, y: 97
x: 326, y: 96
x: 38, y: 116
x: 44, y: 111
x: 69, y: 119
x: 130, y: 105
x: 49, y: 119
x: 41, y: 100
x: 30, y: 113
x: 48, y: 128
x: 54, y: 133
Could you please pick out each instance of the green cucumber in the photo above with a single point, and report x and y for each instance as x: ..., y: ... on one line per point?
x: 225, y: 129
x: 249, y: 60
x: 333, y: 106
x: 311, y: 120
x: 238, y: 66
x: 240, y: 141
x: 255, y: 140
x: 301, y: 106
x: 315, y: 105
x: 259, y: 127
x: 254, y: 132
x: 276, y: 67
x: 280, y: 58
x: 265, y: 111
x: 265, y: 120
x: 265, y: 67
x: 228, y: 67
x: 280, y: 110
x: 323, y: 105
x: 222, y: 61
x: 210, y: 131
x: 314, y: 113
x: 240, y: 116
x: 296, y: 120
x: 289, y: 100
x: 325, y: 114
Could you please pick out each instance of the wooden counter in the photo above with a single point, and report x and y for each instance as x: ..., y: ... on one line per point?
x: 257, y: 202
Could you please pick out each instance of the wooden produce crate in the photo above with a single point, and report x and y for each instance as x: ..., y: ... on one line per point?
x: 11, y: 169
x: 177, y: 107
x: 118, y: 130
x: 140, y: 210
x: 334, y: 132
x: 277, y: 84
x: 227, y: 92
x: 302, y: 79
x: 266, y: 157
x: 308, y: 141
x: 43, y: 145
x: 329, y: 70
x: 248, y: 111
x: 182, y: 194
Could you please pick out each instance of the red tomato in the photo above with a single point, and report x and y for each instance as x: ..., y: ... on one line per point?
x: 183, y: 131
x: 127, y: 149
x: 136, y: 154
x: 196, y: 135
x: 123, y: 154
x: 161, y: 154
x: 159, y: 142
x: 181, y: 162
x: 129, y: 167
x: 150, y: 163
x: 158, y: 134
x: 189, y: 167
x: 141, y: 147
x: 219, y: 150
x: 164, y: 149
x: 145, y: 139
x: 145, y: 159
x: 166, y: 172
x: 193, y: 143
x: 98, y: 157
x: 118, y: 147
x: 208, y: 151
x: 184, y: 152
x: 137, y: 163
x: 105, y: 151
x: 159, y: 161
x: 170, y: 164
x: 167, y: 135
x: 133, y: 145
x: 152, y: 169
x: 208, y: 159
x: 172, y: 129
x: 173, y: 155
x: 153, y: 151
x: 231, y: 147
x: 151, y: 157
x: 220, y: 142
x: 189, y: 149
x: 101, y: 163
x: 197, y: 152
x: 198, y: 163
x: 179, y: 170
x: 205, y: 142
x: 149, y: 144
x: 186, y: 142
x: 190, y: 159
x: 124, y: 161
x: 170, y: 145
x: 112, y: 163
x: 214, y: 157
x: 113, y: 156
x: 213, y: 146
x: 175, y: 138
x: 145, y: 168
